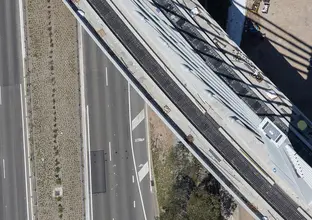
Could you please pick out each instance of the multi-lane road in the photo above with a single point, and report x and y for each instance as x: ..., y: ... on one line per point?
x: 12, y: 169
x: 120, y: 174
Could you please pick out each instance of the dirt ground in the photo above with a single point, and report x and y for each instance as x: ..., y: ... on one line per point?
x: 285, y: 52
x: 161, y: 140
x: 53, y: 103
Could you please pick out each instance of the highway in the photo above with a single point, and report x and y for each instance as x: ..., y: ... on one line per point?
x: 119, y: 157
x: 12, y: 169
x: 203, y: 123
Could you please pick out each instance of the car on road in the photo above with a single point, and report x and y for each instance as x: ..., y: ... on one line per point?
x: 81, y: 12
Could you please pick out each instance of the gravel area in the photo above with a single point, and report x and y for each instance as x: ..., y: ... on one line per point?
x: 53, y: 93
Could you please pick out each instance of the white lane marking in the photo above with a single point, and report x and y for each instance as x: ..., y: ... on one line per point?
x: 26, y: 148
x: 132, y: 178
x: 139, y: 140
x: 134, y: 203
x: 5, y: 211
x: 84, y: 123
x: 148, y: 146
x: 132, y: 150
x: 3, y: 168
x: 0, y: 96
x: 110, y: 151
x: 143, y: 171
x: 90, y: 178
x: 138, y: 119
x: 106, y: 76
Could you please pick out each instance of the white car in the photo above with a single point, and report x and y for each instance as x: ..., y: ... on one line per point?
x: 81, y: 12
x: 194, y: 12
x: 265, y: 8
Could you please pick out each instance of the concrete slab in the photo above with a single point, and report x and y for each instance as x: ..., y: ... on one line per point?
x: 98, y: 173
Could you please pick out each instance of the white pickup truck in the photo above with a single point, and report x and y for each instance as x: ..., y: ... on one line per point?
x: 266, y: 6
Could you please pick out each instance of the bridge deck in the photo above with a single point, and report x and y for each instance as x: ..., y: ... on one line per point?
x: 203, y: 122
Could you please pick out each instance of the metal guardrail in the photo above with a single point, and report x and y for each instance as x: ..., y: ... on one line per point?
x: 203, y: 122
x: 160, y: 111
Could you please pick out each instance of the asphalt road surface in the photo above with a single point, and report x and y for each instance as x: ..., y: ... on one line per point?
x: 119, y: 156
x: 12, y: 170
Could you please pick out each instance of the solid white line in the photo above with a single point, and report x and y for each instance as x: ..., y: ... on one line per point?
x: 89, y: 152
x: 84, y: 124
x: 134, y: 203
x: 26, y: 158
x: 110, y: 151
x: 143, y: 171
x: 3, y: 168
x: 148, y: 146
x: 106, y: 77
x: 131, y: 143
x: 25, y: 142
x: 138, y: 119
x: 0, y: 96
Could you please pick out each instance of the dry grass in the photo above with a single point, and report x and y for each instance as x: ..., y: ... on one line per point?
x: 53, y: 91
x: 162, y: 140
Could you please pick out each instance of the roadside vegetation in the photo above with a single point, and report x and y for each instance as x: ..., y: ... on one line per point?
x: 185, y: 189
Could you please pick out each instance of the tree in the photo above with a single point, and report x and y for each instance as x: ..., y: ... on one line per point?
x: 175, y: 209
x: 228, y: 204
x: 203, y: 206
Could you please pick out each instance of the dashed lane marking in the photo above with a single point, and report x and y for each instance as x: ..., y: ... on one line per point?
x: 110, y: 151
x: 139, y: 140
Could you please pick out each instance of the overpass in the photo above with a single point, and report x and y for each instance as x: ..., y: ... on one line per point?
x: 204, y: 121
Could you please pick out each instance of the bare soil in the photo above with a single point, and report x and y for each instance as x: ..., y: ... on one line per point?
x: 162, y: 140
x: 53, y: 103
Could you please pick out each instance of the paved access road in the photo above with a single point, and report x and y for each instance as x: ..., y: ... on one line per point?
x: 119, y: 155
x: 12, y: 169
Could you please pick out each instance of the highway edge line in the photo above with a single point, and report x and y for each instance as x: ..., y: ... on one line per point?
x: 150, y: 158
x: 84, y: 129
x: 25, y: 119
x: 131, y: 143
x: 155, y: 109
